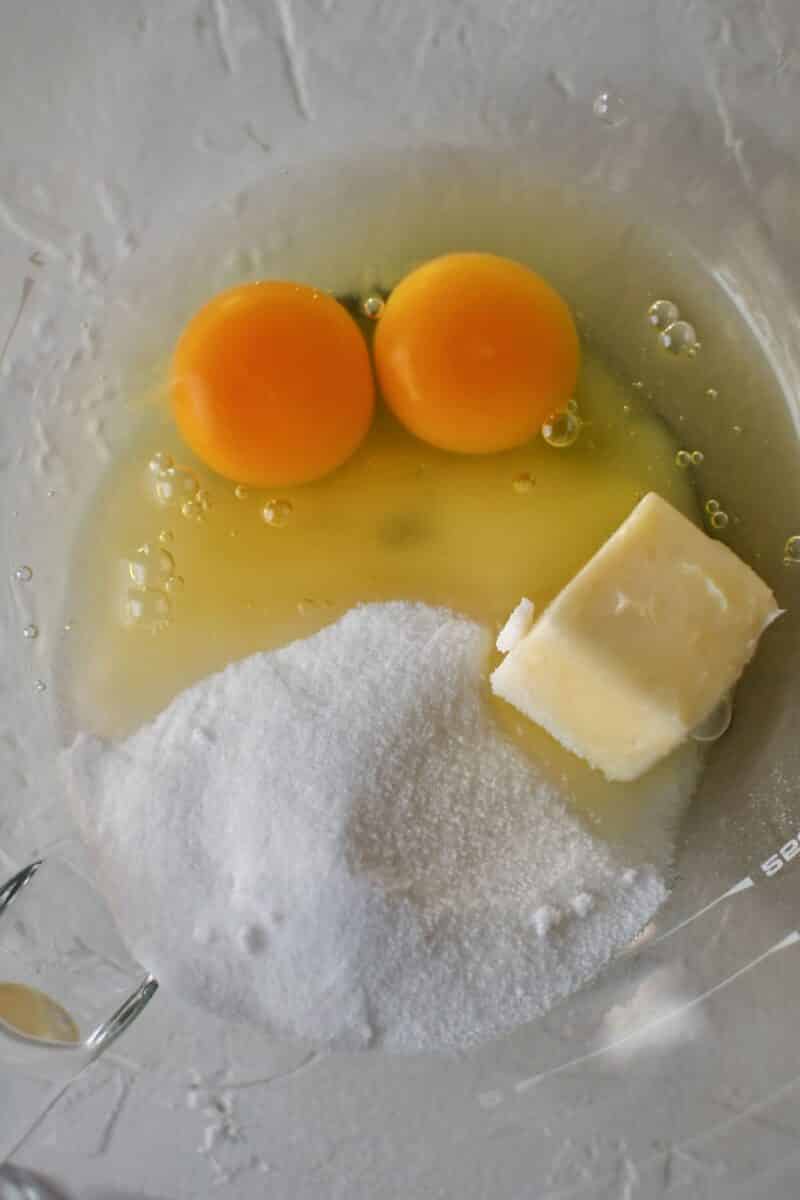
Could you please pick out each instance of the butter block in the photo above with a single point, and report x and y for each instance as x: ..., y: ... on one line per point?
x: 516, y: 626
x: 641, y: 645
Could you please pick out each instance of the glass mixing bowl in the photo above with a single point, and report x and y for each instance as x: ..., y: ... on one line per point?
x: 664, y: 138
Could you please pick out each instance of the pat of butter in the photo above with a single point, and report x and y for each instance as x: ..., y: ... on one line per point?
x: 641, y: 645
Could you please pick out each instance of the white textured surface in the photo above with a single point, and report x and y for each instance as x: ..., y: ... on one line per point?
x: 125, y: 119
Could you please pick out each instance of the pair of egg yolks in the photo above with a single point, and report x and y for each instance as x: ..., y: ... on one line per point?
x: 272, y: 384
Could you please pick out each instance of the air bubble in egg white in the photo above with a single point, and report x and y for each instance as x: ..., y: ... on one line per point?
x: 373, y: 307
x: 679, y: 338
x: 277, y: 513
x: 23, y: 574
x: 175, y: 486
x: 791, y: 551
x: 151, y: 564
x: 147, y: 608
x: 30, y: 632
x: 662, y: 313
x: 160, y: 463
x: 562, y: 429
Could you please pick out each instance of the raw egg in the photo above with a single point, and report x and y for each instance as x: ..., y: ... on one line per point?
x: 271, y: 384
x: 474, y: 352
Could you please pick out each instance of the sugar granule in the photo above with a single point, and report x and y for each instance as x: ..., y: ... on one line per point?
x: 336, y: 841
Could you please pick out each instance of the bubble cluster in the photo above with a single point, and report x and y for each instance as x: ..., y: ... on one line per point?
x: 675, y: 334
x: 689, y: 458
x: 791, y: 551
x: 151, y: 565
x: 177, y: 487
x: 151, y: 570
x: 277, y: 513
x: 717, y: 517
x: 562, y: 429
x: 148, y: 608
x: 160, y: 463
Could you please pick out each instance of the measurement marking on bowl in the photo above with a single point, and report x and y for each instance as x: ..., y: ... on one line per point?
x: 525, y: 1085
x: 771, y: 866
x: 742, y: 886
x: 776, y: 862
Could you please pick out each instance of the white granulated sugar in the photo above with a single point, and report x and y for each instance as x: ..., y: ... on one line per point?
x: 582, y: 904
x: 545, y: 919
x: 336, y: 841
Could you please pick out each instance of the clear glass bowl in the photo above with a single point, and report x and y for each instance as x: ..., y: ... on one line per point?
x: 675, y: 1071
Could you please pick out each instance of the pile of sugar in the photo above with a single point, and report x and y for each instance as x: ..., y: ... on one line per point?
x: 336, y: 841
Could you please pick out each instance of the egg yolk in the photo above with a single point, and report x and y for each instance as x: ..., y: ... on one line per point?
x: 474, y: 352
x: 271, y: 384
